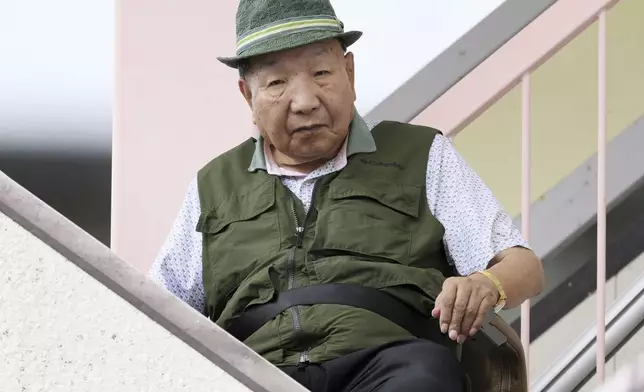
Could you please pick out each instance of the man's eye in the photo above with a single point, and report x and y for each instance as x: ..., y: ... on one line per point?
x: 274, y: 83
x: 322, y: 73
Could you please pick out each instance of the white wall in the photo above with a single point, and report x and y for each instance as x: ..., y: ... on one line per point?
x: 62, y: 331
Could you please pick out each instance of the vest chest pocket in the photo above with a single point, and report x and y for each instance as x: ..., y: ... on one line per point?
x: 238, y: 234
x: 374, y: 219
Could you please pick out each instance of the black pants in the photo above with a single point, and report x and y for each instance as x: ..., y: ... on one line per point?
x: 407, y: 366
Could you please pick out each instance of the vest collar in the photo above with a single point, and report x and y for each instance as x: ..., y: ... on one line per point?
x: 360, y: 141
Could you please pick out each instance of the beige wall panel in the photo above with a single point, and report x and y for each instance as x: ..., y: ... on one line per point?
x: 564, y: 110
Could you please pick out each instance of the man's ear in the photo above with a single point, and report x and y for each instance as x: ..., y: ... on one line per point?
x: 245, y: 90
x: 350, y: 67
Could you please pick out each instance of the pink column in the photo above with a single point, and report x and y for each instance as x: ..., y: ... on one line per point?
x: 601, y: 198
x: 525, y: 199
x: 176, y: 107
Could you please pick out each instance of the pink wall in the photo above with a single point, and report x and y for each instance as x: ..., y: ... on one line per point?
x: 176, y: 107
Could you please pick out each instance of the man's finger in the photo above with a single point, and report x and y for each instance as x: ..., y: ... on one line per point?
x: 471, y: 312
x: 436, y: 312
x: 445, y: 303
x: 463, y: 297
x: 486, y: 305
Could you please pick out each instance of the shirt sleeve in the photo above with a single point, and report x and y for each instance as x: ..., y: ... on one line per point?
x: 476, y: 226
x: 178, y: 267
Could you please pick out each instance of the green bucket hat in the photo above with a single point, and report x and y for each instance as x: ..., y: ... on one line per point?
x: 267, y: 26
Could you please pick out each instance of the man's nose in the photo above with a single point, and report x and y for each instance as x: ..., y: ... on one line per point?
x: 304, y: 97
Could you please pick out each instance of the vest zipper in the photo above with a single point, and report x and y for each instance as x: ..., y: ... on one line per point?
x: 299, y: 240
x: 291, y: 283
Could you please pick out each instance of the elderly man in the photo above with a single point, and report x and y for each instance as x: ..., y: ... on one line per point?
x: 355, y: 258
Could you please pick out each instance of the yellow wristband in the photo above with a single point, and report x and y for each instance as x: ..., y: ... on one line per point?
x: 502, y: 297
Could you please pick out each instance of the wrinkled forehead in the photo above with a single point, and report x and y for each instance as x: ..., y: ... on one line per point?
x: 325, y: 50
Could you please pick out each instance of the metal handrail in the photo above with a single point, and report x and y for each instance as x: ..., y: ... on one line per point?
x: 577, y: 364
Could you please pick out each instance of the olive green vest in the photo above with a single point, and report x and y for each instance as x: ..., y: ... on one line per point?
x: 368, y: 224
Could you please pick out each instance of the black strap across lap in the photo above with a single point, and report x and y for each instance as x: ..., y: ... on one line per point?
x: 368, y: 298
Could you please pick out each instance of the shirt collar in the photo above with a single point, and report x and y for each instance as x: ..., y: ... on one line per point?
x: 360, y: 141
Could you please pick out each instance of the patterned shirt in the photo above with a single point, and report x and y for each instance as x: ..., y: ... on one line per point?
x: 476, y: 226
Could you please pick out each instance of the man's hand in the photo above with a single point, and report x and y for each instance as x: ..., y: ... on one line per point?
x: 462, y: 304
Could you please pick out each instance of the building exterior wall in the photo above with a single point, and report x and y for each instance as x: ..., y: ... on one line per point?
x: 61, y: 330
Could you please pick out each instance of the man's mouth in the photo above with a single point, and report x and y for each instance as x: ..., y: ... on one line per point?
x: 308, y: 128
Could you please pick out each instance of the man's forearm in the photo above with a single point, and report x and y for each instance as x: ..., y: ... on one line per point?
x: 520, y: 272
x: 463, y: 301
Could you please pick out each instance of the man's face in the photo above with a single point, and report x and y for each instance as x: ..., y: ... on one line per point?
x: 302, y: 100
